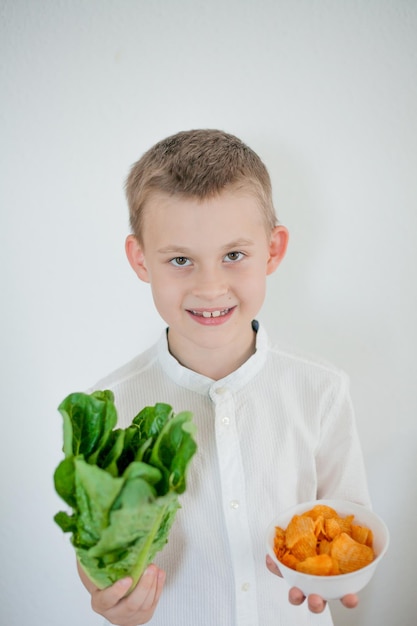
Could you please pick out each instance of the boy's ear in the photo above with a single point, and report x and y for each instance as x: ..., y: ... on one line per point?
x: 136, y: 258
x: 277, y: 248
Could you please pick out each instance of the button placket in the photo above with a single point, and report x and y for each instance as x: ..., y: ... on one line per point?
x: 234, y: 506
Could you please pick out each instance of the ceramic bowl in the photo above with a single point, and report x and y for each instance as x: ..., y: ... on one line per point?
x: 331, y: 587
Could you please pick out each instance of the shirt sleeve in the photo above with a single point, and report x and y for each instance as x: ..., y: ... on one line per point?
x: 339, y: 459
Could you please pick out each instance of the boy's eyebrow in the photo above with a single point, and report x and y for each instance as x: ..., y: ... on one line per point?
x: 232, y: 245
x: 239, y: 243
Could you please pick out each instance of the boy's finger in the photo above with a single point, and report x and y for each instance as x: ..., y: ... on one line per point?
x: 316, y: 604
x: 296, y: 596
x: 159, y: 584
x: 143, y: 594
x: 152, y: 598
x: 350, y: 601
x: 105, y: 599
x: 272, y: 566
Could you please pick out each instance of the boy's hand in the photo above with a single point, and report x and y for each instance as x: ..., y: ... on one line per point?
x: 316, y: 604
x: 134, y: 609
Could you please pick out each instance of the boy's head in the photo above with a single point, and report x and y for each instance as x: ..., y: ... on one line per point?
x: 205, y: 237
x: 198, y: 164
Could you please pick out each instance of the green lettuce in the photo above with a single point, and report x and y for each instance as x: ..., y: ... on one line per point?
x: 122, y: 485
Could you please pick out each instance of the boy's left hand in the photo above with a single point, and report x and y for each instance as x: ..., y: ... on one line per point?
x: 316, y: 604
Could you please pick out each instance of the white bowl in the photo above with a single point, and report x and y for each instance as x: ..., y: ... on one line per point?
x: 331, y: 587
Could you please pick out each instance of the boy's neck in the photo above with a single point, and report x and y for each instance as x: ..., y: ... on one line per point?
x: 213, y: 363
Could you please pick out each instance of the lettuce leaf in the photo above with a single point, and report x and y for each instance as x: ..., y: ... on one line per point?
x: 122, y: 485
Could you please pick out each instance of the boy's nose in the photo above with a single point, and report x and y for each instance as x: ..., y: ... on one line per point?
x: 209, y: 285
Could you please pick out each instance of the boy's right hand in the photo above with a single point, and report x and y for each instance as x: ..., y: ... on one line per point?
x: 316, y: 604
x: 134, y: 609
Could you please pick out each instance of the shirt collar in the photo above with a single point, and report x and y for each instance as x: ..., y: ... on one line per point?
x: 203, y: 385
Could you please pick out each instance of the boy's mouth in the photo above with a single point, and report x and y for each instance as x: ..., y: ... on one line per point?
x: 210, y: 313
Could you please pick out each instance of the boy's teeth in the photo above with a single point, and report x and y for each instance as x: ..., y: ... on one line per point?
x: 211, y: 313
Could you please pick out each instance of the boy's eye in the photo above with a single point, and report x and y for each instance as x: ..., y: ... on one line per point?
x: 233, y: 256
x: 180, y: 261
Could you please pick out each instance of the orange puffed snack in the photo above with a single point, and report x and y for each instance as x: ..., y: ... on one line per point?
x: 323, y: 543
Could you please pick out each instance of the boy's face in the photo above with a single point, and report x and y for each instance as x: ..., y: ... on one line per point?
x: 207, y: 263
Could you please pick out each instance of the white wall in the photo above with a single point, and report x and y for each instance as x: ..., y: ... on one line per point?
x: 325, y: 91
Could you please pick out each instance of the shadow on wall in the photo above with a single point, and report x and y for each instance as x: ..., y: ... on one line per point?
x: 390, y: 599
x: 298, y: 206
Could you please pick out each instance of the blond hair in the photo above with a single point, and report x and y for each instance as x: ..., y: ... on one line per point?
x: 197, y: 164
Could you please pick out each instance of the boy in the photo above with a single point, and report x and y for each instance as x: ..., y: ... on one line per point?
x: 272, y: 426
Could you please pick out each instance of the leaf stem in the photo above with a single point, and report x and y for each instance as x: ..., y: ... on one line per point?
x: 142, y: 562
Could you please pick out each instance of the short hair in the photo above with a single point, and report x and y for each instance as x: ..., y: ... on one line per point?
x: 197, y: 164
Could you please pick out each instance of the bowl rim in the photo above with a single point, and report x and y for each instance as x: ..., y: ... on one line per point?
x: 333, y: 503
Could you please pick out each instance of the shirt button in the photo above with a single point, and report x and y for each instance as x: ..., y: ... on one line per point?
x: 225, y: 421
x: 221, y: 390
x: 245, y: 587
x: 234, y: 504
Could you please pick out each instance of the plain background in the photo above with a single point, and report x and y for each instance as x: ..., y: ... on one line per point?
x: 326, y: 92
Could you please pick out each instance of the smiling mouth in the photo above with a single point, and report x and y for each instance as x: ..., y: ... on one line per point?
x: 207, y: 314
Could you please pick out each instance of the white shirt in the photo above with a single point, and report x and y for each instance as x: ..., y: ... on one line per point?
x: 277, y: 431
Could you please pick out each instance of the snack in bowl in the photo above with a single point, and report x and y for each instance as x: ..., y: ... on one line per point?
x: 328, y: 547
